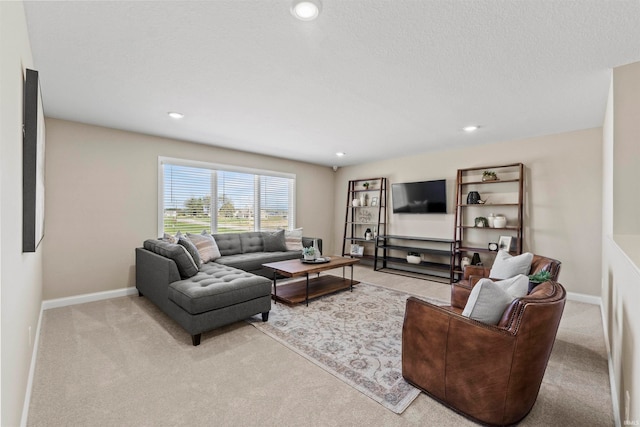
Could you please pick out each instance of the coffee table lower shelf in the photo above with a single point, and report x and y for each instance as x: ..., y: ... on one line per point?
x: 296, y: 292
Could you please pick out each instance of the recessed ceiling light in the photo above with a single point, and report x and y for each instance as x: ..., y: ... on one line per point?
x: 340, y: 154
x: 175, y: 115
x: 470, y: 128
x: 306, y: 10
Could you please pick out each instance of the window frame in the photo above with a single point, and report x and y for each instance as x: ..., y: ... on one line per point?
x: 162, y: 160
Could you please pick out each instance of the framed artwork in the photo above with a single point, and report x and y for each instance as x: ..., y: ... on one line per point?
x: 33, y: 143
x: 504, y: 243
x: 374, y: 201
x: 357, y: 250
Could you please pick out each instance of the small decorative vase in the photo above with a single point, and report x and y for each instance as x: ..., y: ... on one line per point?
x: 490, y: 218
x: 363, y: 200
x: 499, y: 221
x: 355, y: 203
x: 465, y: 261
x: 473, y: 198
x: 476, y: 259
x: 413, y: 259
x: 367, y: 234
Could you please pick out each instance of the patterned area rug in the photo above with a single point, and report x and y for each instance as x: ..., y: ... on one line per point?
x: 356, y: 336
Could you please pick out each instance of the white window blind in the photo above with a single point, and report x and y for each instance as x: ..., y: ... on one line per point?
x: 196, y: 196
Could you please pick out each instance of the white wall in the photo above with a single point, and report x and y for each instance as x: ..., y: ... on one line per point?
x: 563, y: 175
x: 20, y: 274
x: 621, y: 237
x: 102, y: 201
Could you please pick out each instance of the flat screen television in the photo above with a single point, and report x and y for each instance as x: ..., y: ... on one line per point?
x: 425, y: 197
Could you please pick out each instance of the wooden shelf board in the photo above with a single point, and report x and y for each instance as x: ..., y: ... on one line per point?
x: 414, y: 249
x: 295, y: 292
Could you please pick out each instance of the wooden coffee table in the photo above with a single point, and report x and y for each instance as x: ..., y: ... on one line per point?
x: 302, y: 290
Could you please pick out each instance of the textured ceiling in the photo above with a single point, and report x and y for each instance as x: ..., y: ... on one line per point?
x: 373, y: 78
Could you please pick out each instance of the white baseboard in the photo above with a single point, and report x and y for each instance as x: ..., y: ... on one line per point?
x: 32, y: 369
x: 588, y: 299
x: 81, y: 299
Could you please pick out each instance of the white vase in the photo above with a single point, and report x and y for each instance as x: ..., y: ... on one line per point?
x: 355, y: 203
x: 499, y: 221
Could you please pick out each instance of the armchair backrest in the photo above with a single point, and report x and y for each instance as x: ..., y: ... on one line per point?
x: 541, y: 263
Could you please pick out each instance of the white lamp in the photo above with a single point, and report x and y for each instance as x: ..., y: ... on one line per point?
x: 305, y: 10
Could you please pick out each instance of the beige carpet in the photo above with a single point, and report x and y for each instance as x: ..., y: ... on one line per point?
x: 121, y: 362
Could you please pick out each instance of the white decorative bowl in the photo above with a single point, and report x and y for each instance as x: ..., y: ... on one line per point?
x: 413, y: 259
x: 499, y: 222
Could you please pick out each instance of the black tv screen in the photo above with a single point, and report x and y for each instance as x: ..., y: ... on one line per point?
x: 420, y: 197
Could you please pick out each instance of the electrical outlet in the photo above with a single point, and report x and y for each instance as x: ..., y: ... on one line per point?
x: 30, y: 340
x: 627, y: 404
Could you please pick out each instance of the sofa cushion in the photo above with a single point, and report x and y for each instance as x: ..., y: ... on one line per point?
x: 489, y: 299
x: 293, y: 239
x: 251, y: 241
x: 217, y: 286
x: 274, y: 242
x: 206, y: 246
x: 506, y: 266
x: 179, y: 254
x: 228, y: 243
x: 254, y: 260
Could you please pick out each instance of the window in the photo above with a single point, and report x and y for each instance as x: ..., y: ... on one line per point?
x: 196, y: 196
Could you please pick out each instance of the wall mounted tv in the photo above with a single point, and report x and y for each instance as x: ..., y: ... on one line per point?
x: 423, y: 197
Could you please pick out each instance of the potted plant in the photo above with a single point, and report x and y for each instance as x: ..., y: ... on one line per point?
x: 481, y: 222
x: 309, y: 254
x: 413, y: 258
x: 536, y: 279
x: 366, y: 185
x: 489, y: 176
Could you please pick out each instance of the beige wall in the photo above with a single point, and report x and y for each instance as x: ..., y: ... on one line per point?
x: 621, y: 237
x: 562, y: 201
x: 102, y: 201
x: 21, y: 274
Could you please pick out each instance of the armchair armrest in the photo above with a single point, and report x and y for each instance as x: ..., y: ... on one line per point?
x: 476, y: 270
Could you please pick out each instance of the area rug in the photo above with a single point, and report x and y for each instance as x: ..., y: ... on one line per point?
x: 356, y: 336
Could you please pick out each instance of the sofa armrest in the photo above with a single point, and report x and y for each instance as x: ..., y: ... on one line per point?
x: 308, y: 241
x: 154, y: 273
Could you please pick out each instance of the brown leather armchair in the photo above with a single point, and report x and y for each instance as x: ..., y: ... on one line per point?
x: 491, y: 374
x: 472, y: 273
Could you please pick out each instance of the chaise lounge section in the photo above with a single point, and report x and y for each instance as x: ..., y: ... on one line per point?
x: 231, y: 288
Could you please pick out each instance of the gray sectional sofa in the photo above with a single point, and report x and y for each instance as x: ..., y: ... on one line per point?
x: 233, y: 287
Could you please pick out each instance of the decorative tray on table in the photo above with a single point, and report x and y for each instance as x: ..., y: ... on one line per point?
x: 316, y: 261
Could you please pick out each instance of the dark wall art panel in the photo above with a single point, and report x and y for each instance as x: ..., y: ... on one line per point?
x: 32, y: 164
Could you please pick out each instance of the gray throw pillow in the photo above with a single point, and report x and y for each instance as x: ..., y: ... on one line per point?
x: 185, y: 263
x: 274, y: 242
x: 191, y: 248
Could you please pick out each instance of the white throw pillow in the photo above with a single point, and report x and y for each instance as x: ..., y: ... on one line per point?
x: 506, y: 266
x: 293, y: 239
x: 488, y: 299
x: 517, y: 286
x: 206, y: 246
